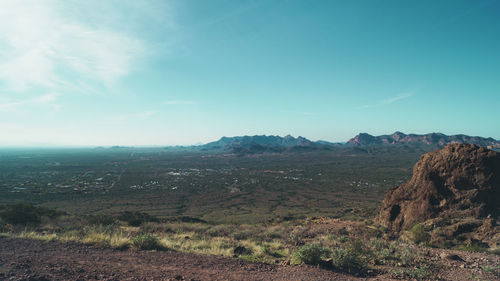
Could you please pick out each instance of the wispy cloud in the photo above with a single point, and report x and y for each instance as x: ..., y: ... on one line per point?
x: 179, y: 102
x: 43, y: 45
x: 10, y: 105
x: 396, y: 98
x: 389, y: 100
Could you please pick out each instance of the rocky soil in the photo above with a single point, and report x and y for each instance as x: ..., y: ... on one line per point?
x: 22, y: 259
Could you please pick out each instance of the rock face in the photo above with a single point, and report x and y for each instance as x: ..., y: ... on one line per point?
x: 458, y: 181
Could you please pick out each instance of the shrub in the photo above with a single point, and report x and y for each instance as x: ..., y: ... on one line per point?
x: 495, y: 251
x: 352, y: 257
x: 99, y: 219
x: 419, y: 273
x: 382, y: 250
x: 137, y: 218
x: 406, y: 255
x: 473, y: 246
x: 310, y: 254
x: 146, y: 242
x: 241, y: 250
x: 267, y: 250
x: 418, y: 234
x: 21, y: 214
x: 4, y: 227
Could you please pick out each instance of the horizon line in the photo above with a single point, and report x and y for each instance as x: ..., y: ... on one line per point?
x: 69, y: 146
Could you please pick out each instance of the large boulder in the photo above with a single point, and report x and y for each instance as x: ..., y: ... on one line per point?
x: 455, y: 182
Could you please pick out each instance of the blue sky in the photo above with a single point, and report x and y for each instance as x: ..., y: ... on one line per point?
x: 183, y: 72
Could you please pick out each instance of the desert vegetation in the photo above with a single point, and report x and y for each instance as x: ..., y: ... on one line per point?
x: 315, y: 209
x: 354, y: 247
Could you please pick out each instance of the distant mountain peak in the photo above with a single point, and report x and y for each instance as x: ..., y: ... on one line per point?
x: 398, y: 133
x: 363, y: 139
x: 276, y: 144
x: 439, y: 139
x: 239, y: 141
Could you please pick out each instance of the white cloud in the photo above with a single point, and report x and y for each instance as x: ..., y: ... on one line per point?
x: 40, y: 47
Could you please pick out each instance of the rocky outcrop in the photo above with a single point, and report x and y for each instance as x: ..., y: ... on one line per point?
x: 458, y: 181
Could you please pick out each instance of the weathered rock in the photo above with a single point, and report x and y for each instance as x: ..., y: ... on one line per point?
x: 458, y: 181
x: 453, y: 257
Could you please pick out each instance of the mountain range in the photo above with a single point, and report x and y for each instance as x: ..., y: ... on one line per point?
x: 438, y: 139
x: 263, y: 143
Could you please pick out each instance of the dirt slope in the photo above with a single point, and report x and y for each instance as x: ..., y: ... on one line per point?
x: 22, y: 259
x: 34, y: 260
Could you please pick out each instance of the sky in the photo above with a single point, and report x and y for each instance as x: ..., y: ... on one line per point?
x: 126, y: 72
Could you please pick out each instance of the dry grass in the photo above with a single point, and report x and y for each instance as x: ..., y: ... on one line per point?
x: 260, y: 243
x: 37, y: 236
x: 119, y: 240
x: 97, y: 238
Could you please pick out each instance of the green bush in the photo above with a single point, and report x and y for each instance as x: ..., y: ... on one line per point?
x: 406, y: 255
x: 310, y: 254
x: 422, y: 272
x: 418, y: 234
x: 146, y: 242
x: 352, y: 257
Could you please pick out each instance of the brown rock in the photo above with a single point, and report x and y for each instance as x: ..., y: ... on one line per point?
x: 452, y: 257
x: 460, y: 180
